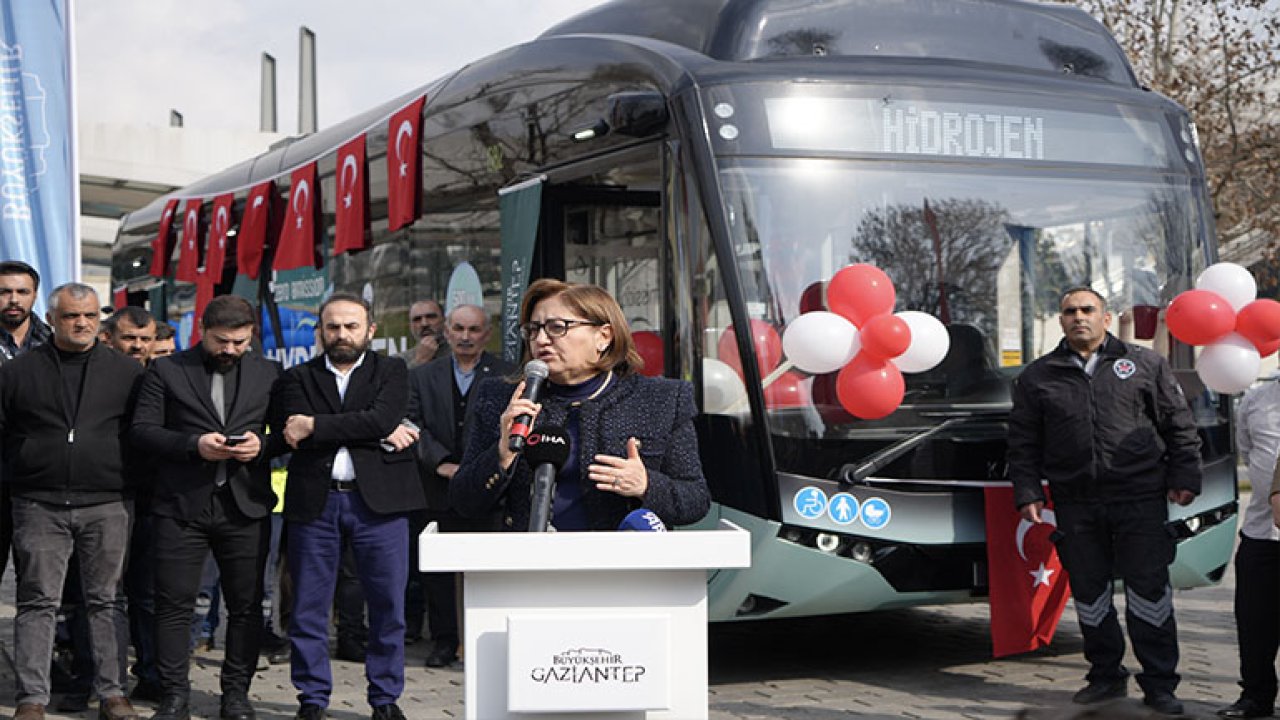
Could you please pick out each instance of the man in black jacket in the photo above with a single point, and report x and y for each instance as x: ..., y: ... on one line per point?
x: 351, y: 477
x: 201, y: 417
x: 64, y: 411
x: 1106, y: 424
x: 438, y: 404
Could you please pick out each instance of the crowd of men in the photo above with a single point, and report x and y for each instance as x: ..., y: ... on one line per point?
x: 128, y: 464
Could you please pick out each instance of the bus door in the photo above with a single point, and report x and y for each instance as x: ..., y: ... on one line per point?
x: 611, y: 237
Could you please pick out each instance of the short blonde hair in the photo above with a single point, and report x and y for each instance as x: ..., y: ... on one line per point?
x: 593, y: 303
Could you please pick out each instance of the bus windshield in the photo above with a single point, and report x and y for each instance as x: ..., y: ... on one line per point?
x: 985, y: 250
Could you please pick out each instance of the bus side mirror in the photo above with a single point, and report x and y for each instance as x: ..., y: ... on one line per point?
x: 636, y: 114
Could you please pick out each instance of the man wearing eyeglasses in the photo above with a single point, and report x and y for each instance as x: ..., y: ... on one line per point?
x: 1106, y: 424
x: 426, y: 325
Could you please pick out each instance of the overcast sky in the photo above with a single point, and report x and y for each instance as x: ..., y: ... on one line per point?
x: 137, y: 59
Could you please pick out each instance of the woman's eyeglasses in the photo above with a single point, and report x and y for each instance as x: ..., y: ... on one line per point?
x: 555, y: 327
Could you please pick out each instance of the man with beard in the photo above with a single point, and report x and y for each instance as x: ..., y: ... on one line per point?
x: 132, y: 331
x: 438, y: 404
x: 352, y: 478
x: 64, y: 410
x: 201, y: 416
x: 426, y: 325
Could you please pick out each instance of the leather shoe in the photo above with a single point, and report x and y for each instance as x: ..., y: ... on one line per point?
x: 1163, y: 703
x: 71, y: 703
x: 173, y: 707
x: 310, y: 712
x: 390, y: 711
x: 1247, y: 708
x: 237, y: 707
x: 1100, y: 690
x: 441, y: 656
x: 29, y: 711
x: 117, y: 708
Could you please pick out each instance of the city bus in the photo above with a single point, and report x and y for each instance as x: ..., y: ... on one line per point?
x: 713, y: 163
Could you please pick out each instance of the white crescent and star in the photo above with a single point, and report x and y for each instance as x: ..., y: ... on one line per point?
x: 1041, y: 575
x: 348, y: 162
x: 189, y: 227
x: 220, y: 225
x: 302, y: 191
x: 406, y: 128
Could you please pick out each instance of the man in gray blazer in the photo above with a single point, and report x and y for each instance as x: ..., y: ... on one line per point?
x: 438, y: 404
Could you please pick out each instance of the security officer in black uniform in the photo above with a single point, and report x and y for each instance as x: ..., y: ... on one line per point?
x: 1107, y: 425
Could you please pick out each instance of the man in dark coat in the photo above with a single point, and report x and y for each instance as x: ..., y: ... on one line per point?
x: 1106, y: 424
x: 438, y: 404
x: 201, y: 416
x: 352, y: 477
x: 64, y: 412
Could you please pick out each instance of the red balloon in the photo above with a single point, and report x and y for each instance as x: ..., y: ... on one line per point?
x: 1259, y: 321
x: 1267, y: 348
x: 813, y: 298
x: 870, y: 388
x: 649, y: 345
x: 885, y: 336
x: 766, y: 341
x: 1199, y: 317
x: 788, y: 391
x: 859, y: 292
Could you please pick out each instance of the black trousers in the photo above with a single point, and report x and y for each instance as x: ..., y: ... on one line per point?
x: 1258, y: 617
x: 1128, y: 540
x: 239, y: 546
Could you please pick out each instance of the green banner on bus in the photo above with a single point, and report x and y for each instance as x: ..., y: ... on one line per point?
x: 520, y: 206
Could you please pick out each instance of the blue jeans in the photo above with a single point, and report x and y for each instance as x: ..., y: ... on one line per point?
x: 44, y: 538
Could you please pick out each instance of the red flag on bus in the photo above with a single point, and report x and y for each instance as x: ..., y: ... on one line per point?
x: 189, y: 257
x: 297, y: 246
x: 404, y: 180
x: 351, y: 232
x: 160, y: 247
x: 119, y: 297
x: 219, y: 224
x: 252, y: 239
x: 204, y: 293
x: 1028, y: 586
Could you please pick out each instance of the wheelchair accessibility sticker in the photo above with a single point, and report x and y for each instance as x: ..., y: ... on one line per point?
x: 810, y: 503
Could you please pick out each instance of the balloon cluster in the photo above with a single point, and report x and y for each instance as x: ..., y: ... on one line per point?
x: 1236, y: 330
x: 860, y: 337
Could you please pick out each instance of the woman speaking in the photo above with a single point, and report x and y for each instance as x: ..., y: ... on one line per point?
x: 630, y: 438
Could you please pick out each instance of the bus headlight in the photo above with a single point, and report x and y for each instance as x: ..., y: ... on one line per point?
x: 828, y: 543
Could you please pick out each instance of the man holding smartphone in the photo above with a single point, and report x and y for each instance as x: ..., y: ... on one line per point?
x: 202, y: 415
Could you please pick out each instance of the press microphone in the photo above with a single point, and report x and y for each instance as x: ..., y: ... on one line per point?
x: 535, y: 372
x: 643, y: 521
x: 546, y: 452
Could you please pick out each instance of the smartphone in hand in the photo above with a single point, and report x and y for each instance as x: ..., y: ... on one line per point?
x: 233, y: 440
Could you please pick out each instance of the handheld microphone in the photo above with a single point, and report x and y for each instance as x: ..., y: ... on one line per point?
x: 535, y: 372
x: 643, y: 520
x: 546, y: 452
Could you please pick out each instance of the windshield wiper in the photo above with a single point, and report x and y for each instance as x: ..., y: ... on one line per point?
x: 854, y: 473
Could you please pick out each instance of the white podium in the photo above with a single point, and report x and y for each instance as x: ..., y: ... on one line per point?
x: 608, y: 626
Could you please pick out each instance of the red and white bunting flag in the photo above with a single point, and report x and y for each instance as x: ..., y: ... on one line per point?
x: 297, y: 246
x: 189, y: 257
x: 161, y: 248
x: 352, y: 216
x: 404, y: 153
x: 219, y: 223
x: 204, y: 293
x: 1028, y: 586
x: 252, y: 239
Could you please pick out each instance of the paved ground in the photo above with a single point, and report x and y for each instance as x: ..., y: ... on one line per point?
x: 921, y: 663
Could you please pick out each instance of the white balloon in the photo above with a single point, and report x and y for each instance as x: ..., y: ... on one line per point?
x: 722, y: 389
x: 820, y: 342
x: 930, y: 342
x: 1229, y: 365
x: 1234, y: 283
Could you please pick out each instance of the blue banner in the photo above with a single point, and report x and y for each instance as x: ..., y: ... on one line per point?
x: 39, y: 213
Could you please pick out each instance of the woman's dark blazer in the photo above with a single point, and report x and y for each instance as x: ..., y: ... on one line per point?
x: 658, y: 412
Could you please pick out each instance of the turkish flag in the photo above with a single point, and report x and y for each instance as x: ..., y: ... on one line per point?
x: 252, y: 238
x: 160, y: 247
x: 204, y: 293
x: 119, y: 297
x: 404, y: 180
x: 297, y: 246
x: 1028, y: 586
x: 189, y: 257
x: 352, y: 217
x: 219, y: 223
